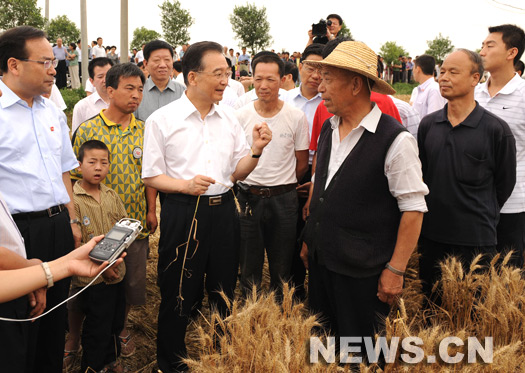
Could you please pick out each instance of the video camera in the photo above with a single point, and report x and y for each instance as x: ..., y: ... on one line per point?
x: 319, y: 29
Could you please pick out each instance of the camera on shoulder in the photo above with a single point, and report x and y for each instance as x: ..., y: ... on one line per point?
x: 319, y: 29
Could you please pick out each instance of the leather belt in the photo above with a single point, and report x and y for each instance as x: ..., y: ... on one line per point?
x: 50, y: 212
x: 216, y: 200
x: 266, y: 192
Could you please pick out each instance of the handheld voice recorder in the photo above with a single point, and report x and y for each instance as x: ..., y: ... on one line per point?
x: 116, y: 240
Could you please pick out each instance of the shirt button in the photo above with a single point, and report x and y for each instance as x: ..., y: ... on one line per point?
x: 321, y: 199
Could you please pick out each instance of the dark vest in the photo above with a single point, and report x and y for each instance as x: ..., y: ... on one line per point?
x: 353, y: 223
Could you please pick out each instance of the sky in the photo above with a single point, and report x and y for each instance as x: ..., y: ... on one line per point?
x: 410, y: 25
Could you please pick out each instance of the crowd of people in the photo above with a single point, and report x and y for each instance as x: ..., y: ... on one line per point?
x: 318, y: 167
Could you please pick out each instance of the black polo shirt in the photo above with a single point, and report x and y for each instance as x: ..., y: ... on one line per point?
x: 470, y: 170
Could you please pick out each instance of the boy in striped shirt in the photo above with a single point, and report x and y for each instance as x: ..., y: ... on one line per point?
x: 103, y: 303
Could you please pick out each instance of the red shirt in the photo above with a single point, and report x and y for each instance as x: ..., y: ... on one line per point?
x: 384, y: 103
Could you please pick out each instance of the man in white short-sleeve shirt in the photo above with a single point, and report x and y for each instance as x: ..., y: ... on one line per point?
x: 269, y: 192
x: 504, y: 95
x: 193, y: 150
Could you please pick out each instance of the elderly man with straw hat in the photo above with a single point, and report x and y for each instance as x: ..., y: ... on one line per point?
x: 366, y: 202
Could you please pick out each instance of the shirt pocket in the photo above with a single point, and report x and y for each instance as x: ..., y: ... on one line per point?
x: 473, y: 170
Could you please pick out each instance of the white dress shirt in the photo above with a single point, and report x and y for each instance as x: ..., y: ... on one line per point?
x: 509, y: 105
x: 57, y: 99
x: 35, y: 150
x: 428, y: 98
x: 402, y: 164
x: 307, y: 106
x: 86, y: 109
x: 179, y: 144
x: 98, y: 51
x: 10, y: 236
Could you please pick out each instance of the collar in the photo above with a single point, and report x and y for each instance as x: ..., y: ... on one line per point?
x: 189, y: 109
x: 78, y: 189
x: 9, y: 98
x: 297, y: 92
x: 96, y: 97
x: 423, y: 86
x: 369, y: 122
x: 149, y: 85
x: 109, y: 123
x: 471, y: 121
x: 508, y: 89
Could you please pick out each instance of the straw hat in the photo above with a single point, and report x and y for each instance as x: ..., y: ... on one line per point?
x: 358, y: 57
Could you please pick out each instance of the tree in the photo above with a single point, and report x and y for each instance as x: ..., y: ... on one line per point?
x: 251, y: 27
x: 439, y: 47
x: 63, y: 27
x: 390, y: 52
x: 20, y: 12
x: 142, y: 35
x: 175, y: 22
x: 345, y: 32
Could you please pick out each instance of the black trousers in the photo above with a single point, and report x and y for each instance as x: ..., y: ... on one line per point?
x: 349, y: 306
x: 511, y: 236
x: 432, y: 253
x: 212, y: 262
x: 104, y: 306
x: 47, y: 238
x: 14, y: 336
x: 61, y: 78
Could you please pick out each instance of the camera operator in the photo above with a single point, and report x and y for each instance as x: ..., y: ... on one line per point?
x: 334, y: 23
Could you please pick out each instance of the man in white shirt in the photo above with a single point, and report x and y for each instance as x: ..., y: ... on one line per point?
x: 367, y: 199
x: 428, y: 98
x: 91, y: 105
x: 139, y: 57
x: 269, y: 193
x: 504, y: 95
x: 193, y: 149
x: 98, y: 50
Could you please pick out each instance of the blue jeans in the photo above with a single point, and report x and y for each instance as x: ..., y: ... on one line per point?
x: 271, y: 226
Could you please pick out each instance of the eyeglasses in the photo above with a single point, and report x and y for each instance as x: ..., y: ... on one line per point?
x: 310, y: 70
x: 218, y: 76
x: 47, y: 63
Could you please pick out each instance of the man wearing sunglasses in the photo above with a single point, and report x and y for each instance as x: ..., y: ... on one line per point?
x: 35, y: 160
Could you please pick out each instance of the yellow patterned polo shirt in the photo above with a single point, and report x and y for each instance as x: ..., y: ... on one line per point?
x: 125, y: 148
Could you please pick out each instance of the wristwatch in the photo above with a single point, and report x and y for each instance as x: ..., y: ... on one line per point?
x: 74, y: 221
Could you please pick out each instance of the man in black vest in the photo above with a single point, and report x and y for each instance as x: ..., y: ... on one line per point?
x: 366, y: 202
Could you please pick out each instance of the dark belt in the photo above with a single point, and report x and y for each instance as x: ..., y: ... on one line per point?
x: 216, y: 200
x: 267, y: 192
x: 50, y: 212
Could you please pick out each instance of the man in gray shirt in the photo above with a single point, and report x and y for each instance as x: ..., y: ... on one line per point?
x: 159, y: 89
x: 60, y: 54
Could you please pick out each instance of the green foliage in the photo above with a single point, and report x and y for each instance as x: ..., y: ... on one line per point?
x: 345, y: 32
x: 439, y: 47
x: 390, y: 52
x: 142, y: 35
x: 20, y: 12
x: 63, y: 27
x: 175, y: 22
x: 404, y: 88
x: 251, y: 27
x: 71, y: 97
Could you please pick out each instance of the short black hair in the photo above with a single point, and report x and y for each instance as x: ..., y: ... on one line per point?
x: 123, y: 70
x: 336, y: 16
x: 332, y: 44
x: 268, y: 57
x: 100, y: 62
x: 73, y: 45
x: 519, y: 66
x: 99, y: 38
x: 155, y: 45
x: 140, y: 64
x: 427, y: 64
x: 177, y: 65
x: 229, y: 62
x: 13, y: 43
x: 477, y: 63
x: 192, y: 60
x: 513, y: 37
x: 291, y: 68
x: 315, y: 48
x: 90, y: 145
